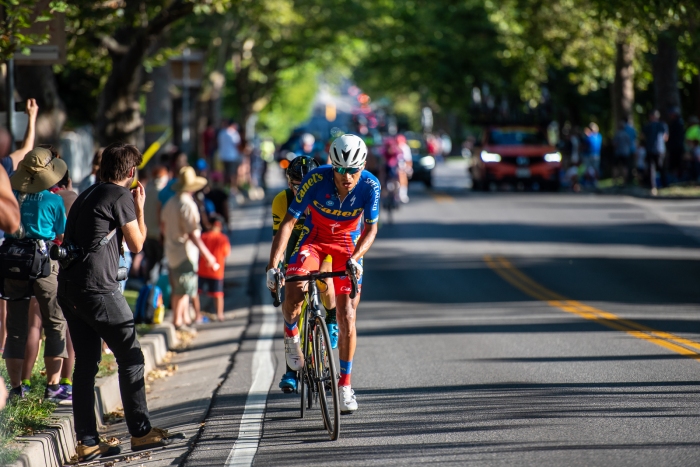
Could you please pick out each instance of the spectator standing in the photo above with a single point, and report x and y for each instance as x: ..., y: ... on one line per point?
x: 211, y: 280
x: 595, y: 143
x: 94, y: 174
x: 632, y: 133
x: 153, y: 246
x: 43, y: 219
x: 229, y: 141
x: 9, y: 221
x: 95, y: 309
x: 692, y: 140
x: 68, y: 196
x: 183, y: 245
x: 655, y: 137
x: 11, y: 161
x: 621, y: 145
x: 676, y: 142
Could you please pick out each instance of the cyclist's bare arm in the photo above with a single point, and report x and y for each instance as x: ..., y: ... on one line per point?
x: 365, y: 241
x: 279, y: 243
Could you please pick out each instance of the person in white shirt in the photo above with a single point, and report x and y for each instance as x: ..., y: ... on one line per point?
x: 228, y: 140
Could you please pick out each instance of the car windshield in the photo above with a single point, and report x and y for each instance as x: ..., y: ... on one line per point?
x: 517, y: 137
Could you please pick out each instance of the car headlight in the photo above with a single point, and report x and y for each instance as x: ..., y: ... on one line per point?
x: 428, y: 162
x: 490, y: 157
x: 553, y: 157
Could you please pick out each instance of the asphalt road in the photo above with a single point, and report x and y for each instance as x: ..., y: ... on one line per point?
x: 504, y: 329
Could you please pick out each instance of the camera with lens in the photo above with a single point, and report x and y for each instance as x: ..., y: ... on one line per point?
x: 122, y: 274
x: 65, y: 254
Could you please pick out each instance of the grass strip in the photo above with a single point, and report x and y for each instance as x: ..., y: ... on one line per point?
x: 23, y: 417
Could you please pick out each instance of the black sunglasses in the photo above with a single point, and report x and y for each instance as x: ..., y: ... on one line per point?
x: 347, y: 170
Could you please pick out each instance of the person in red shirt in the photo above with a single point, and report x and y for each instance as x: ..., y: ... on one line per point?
x: 211, y: 280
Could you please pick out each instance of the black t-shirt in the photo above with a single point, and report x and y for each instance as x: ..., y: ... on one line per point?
x: 99, y: 211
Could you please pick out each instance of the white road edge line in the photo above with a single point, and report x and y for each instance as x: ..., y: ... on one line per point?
x: 250, y: 431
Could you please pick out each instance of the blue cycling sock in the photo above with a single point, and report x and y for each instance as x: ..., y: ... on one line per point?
x: 345, y: 369
x: 290, y: 329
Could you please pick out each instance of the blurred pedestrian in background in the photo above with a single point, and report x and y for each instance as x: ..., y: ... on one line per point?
x: 595, y: 143
x: 228, y: 141
x: 94, y: 173
x: 153, y: 246
x: 183, y: 245
x: 676, y: 144
x: 692, y: 141
x: 622, y: 153
x: 655, y: 136
x: 211, y: 280
x: 43, y: 220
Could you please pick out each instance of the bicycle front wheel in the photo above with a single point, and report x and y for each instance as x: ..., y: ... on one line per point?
x: 304, y: 379
x: 326, y: 378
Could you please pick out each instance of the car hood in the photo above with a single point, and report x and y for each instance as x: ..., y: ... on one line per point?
x: 524, y: 150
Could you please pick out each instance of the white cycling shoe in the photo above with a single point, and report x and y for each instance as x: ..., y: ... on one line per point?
x: 292, y: 353
x: 348, y: 404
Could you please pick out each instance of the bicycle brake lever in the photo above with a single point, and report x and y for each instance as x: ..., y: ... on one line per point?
x: 353, y: 279
x: 277, y: 294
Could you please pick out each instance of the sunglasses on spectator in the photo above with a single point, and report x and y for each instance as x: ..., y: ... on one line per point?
x: 347, y: 170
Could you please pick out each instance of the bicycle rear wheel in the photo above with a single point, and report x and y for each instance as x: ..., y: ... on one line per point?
x: 326, y: 378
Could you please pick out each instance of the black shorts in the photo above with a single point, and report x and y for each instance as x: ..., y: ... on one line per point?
x: 212, y: 287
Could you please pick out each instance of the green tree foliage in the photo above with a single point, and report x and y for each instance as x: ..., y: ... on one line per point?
x: 15, y: 19
x: 290, y: 103
x: 264, y: 48
x: 438, y: 49
x: 110, y: 42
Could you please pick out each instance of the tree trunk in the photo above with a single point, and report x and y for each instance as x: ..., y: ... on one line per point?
x: 665, y: 69
x: 119, y: 114
x: 623, y: 87
x: 39, y: 82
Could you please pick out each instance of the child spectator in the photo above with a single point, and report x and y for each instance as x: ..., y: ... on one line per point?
x: 211, y: 280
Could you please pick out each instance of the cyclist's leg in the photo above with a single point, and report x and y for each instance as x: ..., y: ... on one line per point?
x: 346, y: 313
x: 328, y: 299
x: 302, y: 262
x: 328, y: 296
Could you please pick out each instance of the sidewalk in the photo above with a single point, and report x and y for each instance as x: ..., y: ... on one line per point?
x: 181, y: 402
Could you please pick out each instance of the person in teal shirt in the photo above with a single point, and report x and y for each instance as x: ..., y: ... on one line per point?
x: 43, y: 218
x: 43, y: 214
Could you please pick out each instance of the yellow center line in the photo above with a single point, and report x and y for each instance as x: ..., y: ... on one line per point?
x: 441, y: 197
x: 519, y: 280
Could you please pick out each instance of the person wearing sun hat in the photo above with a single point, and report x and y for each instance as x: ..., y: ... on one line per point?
x: 183, y: 244
x: 43, y: 218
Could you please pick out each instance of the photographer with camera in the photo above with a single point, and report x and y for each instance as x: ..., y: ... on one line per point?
x: 28, y: 271
x: 88, y: 290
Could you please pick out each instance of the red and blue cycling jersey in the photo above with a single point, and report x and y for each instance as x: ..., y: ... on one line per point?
x: 332, y: 226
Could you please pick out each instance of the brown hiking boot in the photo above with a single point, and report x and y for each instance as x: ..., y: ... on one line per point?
x: 155, y: 438
x: 101, y: 449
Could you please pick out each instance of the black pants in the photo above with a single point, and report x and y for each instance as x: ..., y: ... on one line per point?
x: 90, y: 317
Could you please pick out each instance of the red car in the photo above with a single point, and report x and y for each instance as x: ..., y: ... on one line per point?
x: 516, y: 155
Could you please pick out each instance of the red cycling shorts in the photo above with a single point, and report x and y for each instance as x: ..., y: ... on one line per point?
x: 309, y: 257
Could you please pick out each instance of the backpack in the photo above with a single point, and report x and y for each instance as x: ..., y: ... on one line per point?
x: 24, y: 259
x: 148, y: 304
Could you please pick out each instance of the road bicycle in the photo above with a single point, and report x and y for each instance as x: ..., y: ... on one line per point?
x: 318, y: 379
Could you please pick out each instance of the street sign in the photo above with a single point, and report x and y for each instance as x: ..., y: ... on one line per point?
x: 54, y: 51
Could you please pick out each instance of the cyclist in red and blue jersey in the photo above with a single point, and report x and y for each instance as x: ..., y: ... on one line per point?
x: 338, y: 197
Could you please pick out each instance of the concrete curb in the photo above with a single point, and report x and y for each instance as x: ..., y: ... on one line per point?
x: 55, y: 446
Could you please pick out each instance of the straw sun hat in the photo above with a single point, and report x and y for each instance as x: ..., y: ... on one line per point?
x: 38, y: 171
x: 187, y: 180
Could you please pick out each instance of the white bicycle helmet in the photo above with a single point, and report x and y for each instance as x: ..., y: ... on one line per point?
x: 348, y: 151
